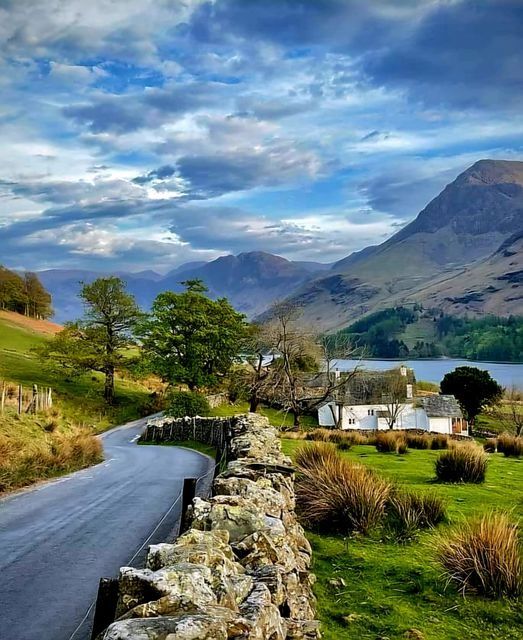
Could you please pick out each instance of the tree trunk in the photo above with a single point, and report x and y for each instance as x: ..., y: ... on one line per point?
x: 109, y: 385
x: 254, y: 403
x: 296, y: 422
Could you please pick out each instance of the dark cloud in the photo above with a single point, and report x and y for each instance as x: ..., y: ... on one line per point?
x: 167, y: 171
x: 213, y: 175
x: 469, y: 54
x: 126, y: 113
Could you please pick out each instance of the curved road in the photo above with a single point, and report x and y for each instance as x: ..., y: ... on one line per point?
x: 59, y: 538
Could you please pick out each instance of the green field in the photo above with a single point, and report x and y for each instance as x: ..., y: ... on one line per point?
x: 277, y: 418
x: 396, y: 591
x: 79, y: 398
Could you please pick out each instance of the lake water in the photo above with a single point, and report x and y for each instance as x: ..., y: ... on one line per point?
x: 434, y: 370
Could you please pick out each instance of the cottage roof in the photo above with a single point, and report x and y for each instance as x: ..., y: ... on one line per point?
x: 364, y: 386
x: 440, y: 406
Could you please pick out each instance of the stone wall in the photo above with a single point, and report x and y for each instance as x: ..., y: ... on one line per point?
x: 213, y: 431
x: 242, y: 570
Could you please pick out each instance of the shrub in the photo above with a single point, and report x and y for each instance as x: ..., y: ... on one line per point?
x: 439, y: 441
x: 391, y: 441
x: 484, y: 557
x: 344, y: 445
x: 418, y: 441
x: 510, y: 446
x: 462, y: 463
x: 490, y: 445
x: 337, y: 495
x: 187, y: 403
x: 408, y: 512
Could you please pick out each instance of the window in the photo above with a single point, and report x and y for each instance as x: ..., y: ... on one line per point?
x: 370, y: 412
x: 351, y: 420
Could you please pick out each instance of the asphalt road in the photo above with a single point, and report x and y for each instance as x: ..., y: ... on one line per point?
x: 58, y: 539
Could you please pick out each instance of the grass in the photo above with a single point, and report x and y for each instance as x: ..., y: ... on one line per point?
x: 397, y: 591
x: 44, y: 446
x: 80, y: 398
x: 276, y: 417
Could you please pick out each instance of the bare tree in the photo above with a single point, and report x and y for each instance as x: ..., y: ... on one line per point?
x: 394, y: 398
x: 509, y: 412
x: 301, y: 376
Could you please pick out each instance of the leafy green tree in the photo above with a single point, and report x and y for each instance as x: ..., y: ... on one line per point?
x: 473, y: 388
x: 101, y: 340
x: 38, y: 300
x: 189, y: 338
x: 12, y: 293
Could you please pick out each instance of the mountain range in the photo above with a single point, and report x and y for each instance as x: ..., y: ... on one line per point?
x: 461, y: 254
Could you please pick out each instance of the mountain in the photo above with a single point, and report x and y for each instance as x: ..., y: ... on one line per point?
x: 439, y: 258
x: 251, y: 281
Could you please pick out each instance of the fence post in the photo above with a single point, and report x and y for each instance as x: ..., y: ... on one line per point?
x: 189, y: 491
x: 20, y: 397
x: 2, y: 402
x: 105, y: 608
x: 35, y: 399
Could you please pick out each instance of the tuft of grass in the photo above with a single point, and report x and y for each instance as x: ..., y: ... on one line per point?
x: 484, y: 556
x: 462, y: 463
x: 418, y: 441
x: 408, y: 512
x: 30, y: 451
x: 490, y: 445
x: 510, y: 446
x: 337, y: 495
x: 391, y: 442
x: 439, y: 441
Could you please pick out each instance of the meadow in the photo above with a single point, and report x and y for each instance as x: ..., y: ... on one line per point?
x: 60, y: 440
x: 376, y: 588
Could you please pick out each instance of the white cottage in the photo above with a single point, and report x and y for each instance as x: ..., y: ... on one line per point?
x: 434, y: 414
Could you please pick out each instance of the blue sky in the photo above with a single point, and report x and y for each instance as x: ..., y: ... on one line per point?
x: 141, y: 134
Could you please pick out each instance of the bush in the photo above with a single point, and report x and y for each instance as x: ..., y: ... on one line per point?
x: 439, y: 441
x: 337, y: 495
x: 484, y: 557
x: 187, y: 403
x: 462, y: 463
x: 418, y: 441
x: 490, y: 445
x: 510, y: 446
x: 391, y: 441
x: 408, y: 512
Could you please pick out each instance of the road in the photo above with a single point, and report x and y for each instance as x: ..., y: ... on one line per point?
x: 59, y: 538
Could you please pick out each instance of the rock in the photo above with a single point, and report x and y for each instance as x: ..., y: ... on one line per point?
x: 230, y: 513
x: 303, y: 629
x: 337, y: 583
x: 189, y: 585
x: 259, y: 493
x: 185, y: 627
x: 263, y: 615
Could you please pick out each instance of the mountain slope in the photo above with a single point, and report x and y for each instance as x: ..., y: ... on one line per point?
x: 456, y: 233
x: 251, y: 281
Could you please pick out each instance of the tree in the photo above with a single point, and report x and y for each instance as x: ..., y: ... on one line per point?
x: 394, y: 397
x: 38, y: 300
x: 191, y: 339
x: 300, y: 353
x: 100, y: 341
x: 473, y: 388
x: 509, y: 412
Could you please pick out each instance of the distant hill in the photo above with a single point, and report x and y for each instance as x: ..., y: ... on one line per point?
x: 462, y: 253
x: 251, y: 281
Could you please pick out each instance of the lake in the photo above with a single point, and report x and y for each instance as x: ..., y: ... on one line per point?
x: 434, y: 370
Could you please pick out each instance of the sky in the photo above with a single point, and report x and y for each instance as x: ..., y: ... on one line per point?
x: 143, y: 134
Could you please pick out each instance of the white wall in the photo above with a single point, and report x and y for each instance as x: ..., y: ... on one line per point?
x: 410, y: 417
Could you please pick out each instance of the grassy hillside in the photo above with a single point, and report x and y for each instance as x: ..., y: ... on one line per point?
x: 80, y: 398
x: 372, y: 587
x: 35, y: 447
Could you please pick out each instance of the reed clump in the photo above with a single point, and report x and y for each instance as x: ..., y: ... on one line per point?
x: 484, y: 557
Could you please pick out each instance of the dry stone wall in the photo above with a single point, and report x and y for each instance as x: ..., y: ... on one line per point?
x: 242, y: 570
